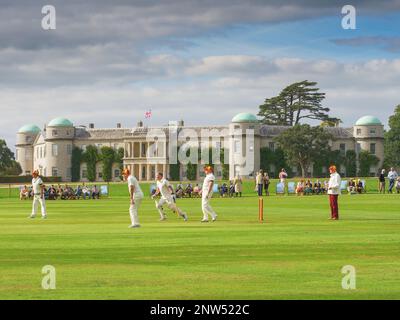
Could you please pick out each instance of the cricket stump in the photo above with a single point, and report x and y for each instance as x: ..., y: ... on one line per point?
x: 261, y: 210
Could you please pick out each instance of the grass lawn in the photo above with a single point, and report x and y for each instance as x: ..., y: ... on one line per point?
x: 296, y: 254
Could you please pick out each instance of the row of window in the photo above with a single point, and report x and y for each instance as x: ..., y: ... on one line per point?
x: 55, y: 172
x: 342, y: 147
x: 55, y: 133
x: 41, y: 151
x: 372, y: 131
x: 116, y: 146
x: 84, y: 174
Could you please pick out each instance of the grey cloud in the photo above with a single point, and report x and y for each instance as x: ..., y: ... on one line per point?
x: 391, y: 44
x: 99, y: 22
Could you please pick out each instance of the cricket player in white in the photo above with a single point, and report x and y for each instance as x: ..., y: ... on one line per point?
x: 136, y: 197
x: 207, y: 193
x: 38, y: 195
x: 165, y: 189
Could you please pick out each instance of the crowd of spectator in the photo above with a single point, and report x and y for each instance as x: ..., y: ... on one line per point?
x: 308, y: 187
x: 64, y: 192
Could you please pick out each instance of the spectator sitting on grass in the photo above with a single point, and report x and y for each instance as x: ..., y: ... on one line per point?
x: 78, y: 192
x: 231, y: 189
x: 351, y: 188
x: 95, y: 193
x: 179, y: 191
x: 360, y: 186
x: 300, y: 188
x: 223, y: 190
x: 189, y: 190
x: 24, y: 194
x: 196, y: 190
x: 326, y: 185
x: 317, y: 187
x: 85, y: 192
x: 308, y: 189
x: 52, y: 193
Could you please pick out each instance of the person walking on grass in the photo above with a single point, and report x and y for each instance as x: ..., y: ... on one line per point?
x: 238, y: 186
x: 334, y: 192
x: 38, y: 195
x: 206, y: 195
x: 382, y: 181
x: 392, y: 176
x: 165, y: 189
x: 135, y: 195
x: 266, y: 183
x: 260, y: 183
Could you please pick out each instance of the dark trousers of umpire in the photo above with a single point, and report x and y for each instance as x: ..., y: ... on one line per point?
x: 333, y: 200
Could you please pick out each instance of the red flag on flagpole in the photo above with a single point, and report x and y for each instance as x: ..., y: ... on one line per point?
x: 148, y: 114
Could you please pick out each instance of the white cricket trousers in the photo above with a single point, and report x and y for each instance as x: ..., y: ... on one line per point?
x: 207, y: 209
x: 36, y: 201
x: 170, y: 203
x: 133, y: 211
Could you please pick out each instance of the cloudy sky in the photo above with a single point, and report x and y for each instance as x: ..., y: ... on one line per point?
x: 202, y: 61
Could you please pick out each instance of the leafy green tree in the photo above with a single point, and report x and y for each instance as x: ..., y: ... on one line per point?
x: 76, y: 159
x: 276, y: 158
x: 392, y: 140
x: 91, y: 157
x: 7, y: 158
x: 366, y: 160
x: 119, y: 158
x: 298, y: 101
x: 174, y: 172
x: 13, y: 170
x: 350, y: 163
x: 302, y: 144
x: 191, y: 171
x: 107, y: 156
x: 225, y: 166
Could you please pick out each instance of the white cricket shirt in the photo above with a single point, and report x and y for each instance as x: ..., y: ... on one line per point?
x: 210, y: 177
x: 132, y: 181
x: 163, y: 186
x: 37, y: 185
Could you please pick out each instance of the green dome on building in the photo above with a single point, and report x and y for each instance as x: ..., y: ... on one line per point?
x: 60, y: 122
x: 368, y: 121
x: 29, y: 128
x: 245, y: 117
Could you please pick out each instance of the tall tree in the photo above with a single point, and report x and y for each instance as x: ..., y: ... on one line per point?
x: 298, y: 101
x: 107, y: 156
x: 392, y: 140
x: 302, y: 144
x: 91, y: 157
x: 191, y: 171
x: 350, y: 163
x: 76, y: 161
x: 366, y: 160
x: 8, y: 164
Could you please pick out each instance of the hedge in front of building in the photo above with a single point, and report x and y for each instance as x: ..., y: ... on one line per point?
x: 27, y: 179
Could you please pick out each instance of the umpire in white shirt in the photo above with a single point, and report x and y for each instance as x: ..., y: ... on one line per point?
x: 334, y: 192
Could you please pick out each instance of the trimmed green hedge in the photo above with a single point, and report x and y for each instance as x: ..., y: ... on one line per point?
x: 27, y: 179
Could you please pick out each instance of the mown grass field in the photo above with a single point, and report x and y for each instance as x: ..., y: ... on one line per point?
x: 296, y: 254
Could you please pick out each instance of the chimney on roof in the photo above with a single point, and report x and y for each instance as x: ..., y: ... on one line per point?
x: 119, y: 126
x: 181, y: 123
x: 91, y: 125
x: 140, y: 124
